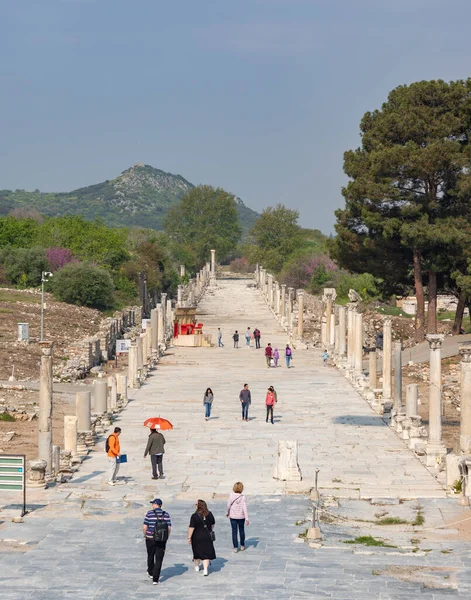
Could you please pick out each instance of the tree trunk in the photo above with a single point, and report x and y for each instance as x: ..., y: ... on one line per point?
x: 459, y: 313
x: 432, y: 302
x: 419, y: 294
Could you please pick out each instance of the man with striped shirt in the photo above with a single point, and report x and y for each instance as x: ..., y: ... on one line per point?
x: 155, y: 550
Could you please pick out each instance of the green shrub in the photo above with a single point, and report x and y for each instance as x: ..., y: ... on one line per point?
x: 84, y: 284
x: 23, y: 266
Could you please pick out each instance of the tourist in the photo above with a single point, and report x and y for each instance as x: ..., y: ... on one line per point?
x: 113, y: 451
x: 325, y: 357
x: 208, y: 402
x: 201, y: 536
x: 245, y: 400
x: 257, y: 335
x: 238, y: 515
x: 270, y: 401
x: 235, y: 337
x: 247, y: 337
x: 268, y: 355
x: 288, y: 355
x: 156, y: 528
x: 220, y: 344
x: 276, y: 356
x: 155, y: 448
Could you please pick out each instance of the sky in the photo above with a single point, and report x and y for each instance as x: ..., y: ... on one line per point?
x: 260, y: 97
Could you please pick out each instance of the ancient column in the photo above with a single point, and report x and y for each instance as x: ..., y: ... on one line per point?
x: 350, y: 333
x: 112, y: 393
x: 332, y: 327
x: 213, y: 267
x: 182, y: 270
x: 435, y: 450
x: 358, y: 364
x: 342, y: 331
x: 465, y: 414
x: 83, y: 410
x: 100, y: 396
x: 398, y: 376
x: 122, y: 386
x: 372, y: 369
x: 300, y: 296
x: 387, y: 359
x: 270, y: 290
x: 412, y: 400
x: 70, y: 434
x: 328, y: 318
x: 140, y: 352
x: 132, y: 366
x: 56, y: 459
x: 163, y: 303
x: 169, y: 314
x: 179, y: 295
x: 277, y: 298
x: 290, y: 308
x: 336, y: 340
x: 160, y: 325
x: 283, y: 302
x: 45, y: 406
x: 154, y: 327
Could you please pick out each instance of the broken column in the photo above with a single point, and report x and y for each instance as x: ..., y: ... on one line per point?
x: 436, y: 449
x: 122, y: 387
x: 213, y: 267
x: 160, y: 325
x: 277, y: 298
x: 180, y: 296
x: 342, y: 332
x: 37, y: 472
x: 398, y: 376
x: 358, y: 344
x: 387, y: 352
x: 182, y: 270
x: 83, y: 410
x: 45, y: 406
x: 300, y: 295
x: 465, y: 414
x: 163, y: 304
x: 70, y: 434
x: 287, y: 467
x: 289, y: 308
x: 169, y: 315
x: 352, y: 307
x: 133, y: 375
x: 328, y: 317
x: 154, y: 327
x: 412, y: 400
x: 283, y: 303
x: 372, y: 369
x: 100, y: 395
x: 140, y: 353
x: 112, y: 393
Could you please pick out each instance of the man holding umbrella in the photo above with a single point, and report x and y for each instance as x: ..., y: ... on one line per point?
x: 155, y: 447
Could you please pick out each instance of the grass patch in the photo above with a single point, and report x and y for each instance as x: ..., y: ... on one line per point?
x: 9, y: 296
x: 446, y: 551
x: 393, y: 311
x: 5, y: 310
x: 419, y: 519
x: 7, y: 417
x: 303, y: 534
x: 415, y: 541
x: 392, y: 521
x: 368, y: 540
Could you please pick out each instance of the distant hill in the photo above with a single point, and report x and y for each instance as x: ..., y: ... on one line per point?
x: 139, y: 196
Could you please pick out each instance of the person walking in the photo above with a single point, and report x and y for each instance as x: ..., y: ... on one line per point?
x: 247, y: 337
x: 201, y: 536
x: 270, y: 400
x: 235, y: 337
x: 246, y: 400
x: 257, y: 335
x: 268, y: 355
x: 156, y: 528
x: 220, y: 344
x: 288, y: 356
x: 155, y: 448
x: 325, y: 357
x: 276, y: 356
x: 208, y: 402
x: 238, y: 515
x: 113, y: 452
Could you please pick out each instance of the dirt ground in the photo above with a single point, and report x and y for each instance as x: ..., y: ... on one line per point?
x: 62, y: 324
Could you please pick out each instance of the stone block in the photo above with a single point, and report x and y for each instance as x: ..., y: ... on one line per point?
x: 287, y: 467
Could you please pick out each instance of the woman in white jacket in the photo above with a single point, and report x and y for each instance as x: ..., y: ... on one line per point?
x: 238, y: 515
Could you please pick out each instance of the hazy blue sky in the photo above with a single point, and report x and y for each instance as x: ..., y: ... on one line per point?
x: 261, y: 97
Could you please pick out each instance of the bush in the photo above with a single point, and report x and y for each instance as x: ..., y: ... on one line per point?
x: 23, y: 266
x: 83, y: 284
x: 241, y: 265
x: 58, y: 257
x: 309, y: 272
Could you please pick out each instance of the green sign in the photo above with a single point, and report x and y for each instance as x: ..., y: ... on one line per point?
x: 13, y: 475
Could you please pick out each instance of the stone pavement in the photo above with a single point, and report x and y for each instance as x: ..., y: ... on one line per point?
x: 84, y: 538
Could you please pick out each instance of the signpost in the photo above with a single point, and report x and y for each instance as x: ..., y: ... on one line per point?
x: 13, y: 475
x: 122, y: 346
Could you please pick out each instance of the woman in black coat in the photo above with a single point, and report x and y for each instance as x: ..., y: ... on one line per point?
x: 200, y: 536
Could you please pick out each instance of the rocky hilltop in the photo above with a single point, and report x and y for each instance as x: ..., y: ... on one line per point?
x: 140, y: 196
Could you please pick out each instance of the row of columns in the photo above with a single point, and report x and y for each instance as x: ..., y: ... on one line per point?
x: 196, y: 287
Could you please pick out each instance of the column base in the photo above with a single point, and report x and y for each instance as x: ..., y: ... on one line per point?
x: 434, y: 452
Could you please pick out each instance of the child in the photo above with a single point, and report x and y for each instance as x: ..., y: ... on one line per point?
x: 325, y: 356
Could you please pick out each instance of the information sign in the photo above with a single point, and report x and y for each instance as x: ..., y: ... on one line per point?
x: 13, y: 475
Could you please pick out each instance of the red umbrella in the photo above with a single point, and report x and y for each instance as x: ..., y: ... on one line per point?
x: 158, y: 423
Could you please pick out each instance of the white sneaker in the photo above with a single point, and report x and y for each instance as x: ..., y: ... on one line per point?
x: 205, y: 573
x: 111, y: 483
x: 197, y: 568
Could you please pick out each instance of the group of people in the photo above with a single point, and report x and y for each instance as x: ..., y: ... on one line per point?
x: 157, y: 528
x: 272, y: 356
x: 245, y: 398
x: 249, y: 335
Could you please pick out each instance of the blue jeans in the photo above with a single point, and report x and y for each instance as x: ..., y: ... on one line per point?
x: 238, y: 524
x: 247, y: 341
x: 245, y: 410
x: 207, y: 409
x: 288, y: 360
x: 220, y: 344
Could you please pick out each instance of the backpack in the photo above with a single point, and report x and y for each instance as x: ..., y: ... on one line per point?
x: 107, y: 443
x: 161, y: 529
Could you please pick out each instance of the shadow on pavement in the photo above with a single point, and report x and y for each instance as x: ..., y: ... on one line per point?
x: 251, y: 542
x: 218, y: 564
x: 177, y: 569
x: 363, y: 420
x: 88, y: 477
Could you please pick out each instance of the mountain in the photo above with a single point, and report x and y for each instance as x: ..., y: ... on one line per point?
x: 139, y: 196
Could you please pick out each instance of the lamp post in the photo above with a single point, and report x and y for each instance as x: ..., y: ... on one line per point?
x: 44, y: 277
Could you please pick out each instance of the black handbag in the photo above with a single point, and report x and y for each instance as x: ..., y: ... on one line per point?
x: 212, y: 535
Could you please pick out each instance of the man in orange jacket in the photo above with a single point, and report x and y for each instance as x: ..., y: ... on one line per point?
x: 114, y: 453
